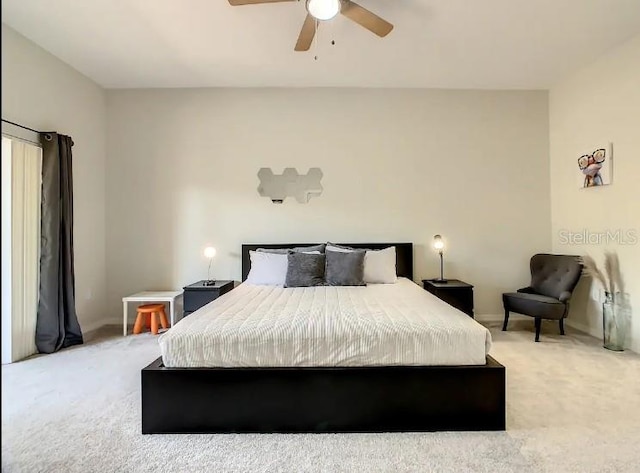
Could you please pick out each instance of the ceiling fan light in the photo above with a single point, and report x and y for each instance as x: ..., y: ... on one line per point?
x: 323, y: 9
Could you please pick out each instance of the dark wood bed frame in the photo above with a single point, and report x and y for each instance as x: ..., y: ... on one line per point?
x: 324, y: 399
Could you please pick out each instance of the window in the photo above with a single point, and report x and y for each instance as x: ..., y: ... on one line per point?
x: 21, y: 196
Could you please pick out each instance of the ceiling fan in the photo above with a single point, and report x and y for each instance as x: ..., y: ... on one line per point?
x: 324, y: 10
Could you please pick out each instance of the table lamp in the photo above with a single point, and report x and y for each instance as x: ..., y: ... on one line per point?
x: 209, y: 252
x: 438, y: 244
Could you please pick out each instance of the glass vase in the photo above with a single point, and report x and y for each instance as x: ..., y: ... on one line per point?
x: 616, y: 317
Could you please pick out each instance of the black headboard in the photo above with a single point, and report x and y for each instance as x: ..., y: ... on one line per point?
x: 404, y: 254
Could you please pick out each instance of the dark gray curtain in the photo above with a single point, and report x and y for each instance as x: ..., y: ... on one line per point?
x: 57, y: 325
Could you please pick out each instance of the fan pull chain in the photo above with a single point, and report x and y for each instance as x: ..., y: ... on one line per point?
x: 316, y: 39
x: 315, y: 42
x: 331, y: 33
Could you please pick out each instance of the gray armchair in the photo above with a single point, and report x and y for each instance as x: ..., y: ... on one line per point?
x: 553, y: 279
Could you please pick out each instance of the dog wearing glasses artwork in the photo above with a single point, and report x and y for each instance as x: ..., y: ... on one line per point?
x: 591, y: 166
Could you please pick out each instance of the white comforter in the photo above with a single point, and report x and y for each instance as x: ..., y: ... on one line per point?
x: 376, y: 325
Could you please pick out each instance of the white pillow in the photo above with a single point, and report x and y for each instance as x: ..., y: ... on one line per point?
x: 339, y: 249
x: 380, y: 266
x: 267, y: 269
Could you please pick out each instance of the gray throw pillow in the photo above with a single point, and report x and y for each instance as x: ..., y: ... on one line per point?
x: 305, y: 270
x: 345, y: 268
x: 297, y: 249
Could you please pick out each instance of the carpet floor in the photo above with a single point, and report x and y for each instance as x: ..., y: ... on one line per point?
x: 572, y: 407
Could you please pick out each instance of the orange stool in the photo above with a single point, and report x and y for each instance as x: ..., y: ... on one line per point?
x: 150, y: 315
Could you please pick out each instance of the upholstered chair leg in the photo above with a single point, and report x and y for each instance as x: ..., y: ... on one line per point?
x: 506, y: 320
x: 561, y: 326
x: 538, y: 325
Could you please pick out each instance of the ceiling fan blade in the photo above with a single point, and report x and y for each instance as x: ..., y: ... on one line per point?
x: 235, y: 3
x: 365, y: 18
x: 307, y: 33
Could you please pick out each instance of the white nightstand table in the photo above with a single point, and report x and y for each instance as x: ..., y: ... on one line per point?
x: 150, y: 296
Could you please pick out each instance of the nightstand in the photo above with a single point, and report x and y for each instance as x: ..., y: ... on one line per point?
x: 197, y: 295
x: 454, y: 292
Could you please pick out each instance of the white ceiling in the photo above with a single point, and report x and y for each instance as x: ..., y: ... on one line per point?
x: 486, y: 44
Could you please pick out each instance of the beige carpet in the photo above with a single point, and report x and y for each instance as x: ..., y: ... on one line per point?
x: 572, y: 406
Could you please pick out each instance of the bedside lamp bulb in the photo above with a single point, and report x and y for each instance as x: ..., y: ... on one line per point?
x: 209, y: 252
x: 438, y: 244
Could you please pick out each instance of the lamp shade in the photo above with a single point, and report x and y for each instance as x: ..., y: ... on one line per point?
x: 438, y: 243
x: 323, y: 9
x: 209, y: 252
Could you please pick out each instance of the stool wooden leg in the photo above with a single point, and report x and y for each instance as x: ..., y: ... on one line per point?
x: 154, y: 323
x: 163, y: 319
x: 137, y: 328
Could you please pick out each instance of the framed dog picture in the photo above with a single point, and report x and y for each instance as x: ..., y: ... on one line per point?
x: 594, y: 166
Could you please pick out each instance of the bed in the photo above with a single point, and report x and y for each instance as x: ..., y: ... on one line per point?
x: 325, y: 359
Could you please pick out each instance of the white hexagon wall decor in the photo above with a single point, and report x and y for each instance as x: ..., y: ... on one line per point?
x: 290, y: 184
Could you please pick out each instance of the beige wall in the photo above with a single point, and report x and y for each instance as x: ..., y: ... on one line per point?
x: 399, y: 165
x: 600, y: 103
x: 42, y: 92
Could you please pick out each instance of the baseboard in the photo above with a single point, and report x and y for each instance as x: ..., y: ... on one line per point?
x: 481, y: 318
x: 500, y: 317
x: 88, y: 328
x: 513, y: 317
x: 581, y: 327
x: 596, y: 333
x: 92, y: 327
